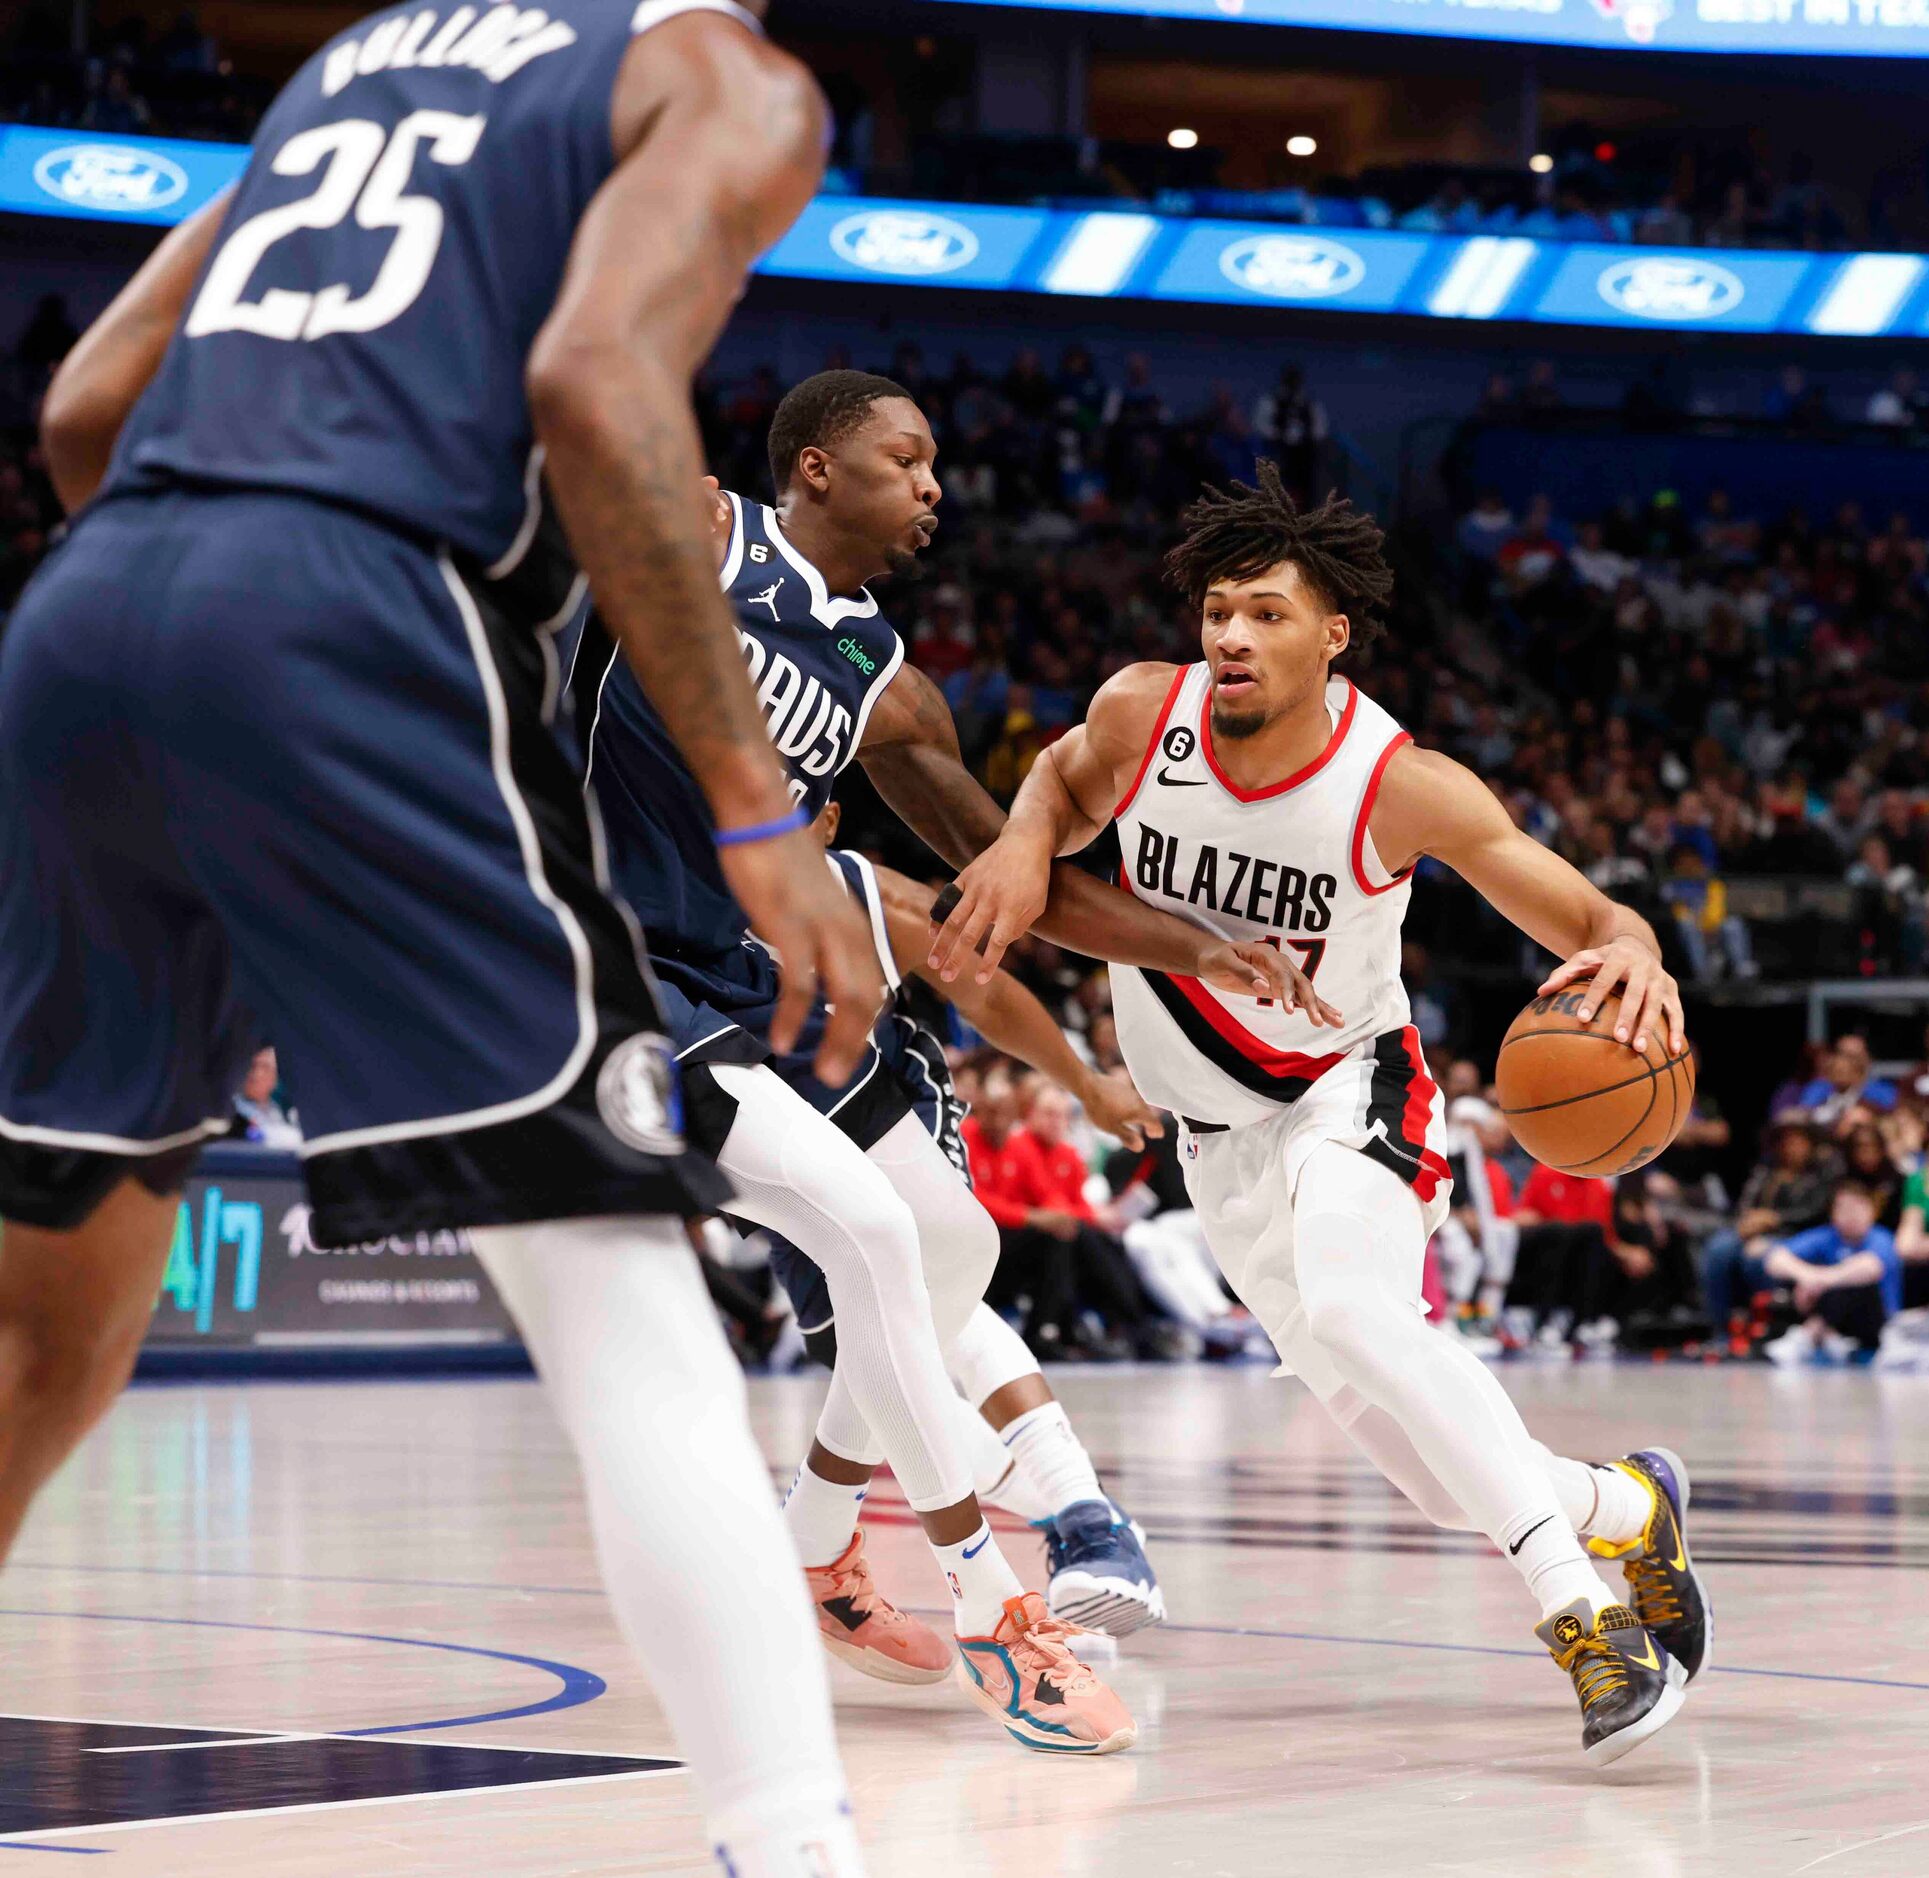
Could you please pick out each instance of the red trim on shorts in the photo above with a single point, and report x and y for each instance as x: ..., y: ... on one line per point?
x: 1152, y: 742
x: 1293, y: 781
x: 1421, y: 1090
x: 1366, y: 811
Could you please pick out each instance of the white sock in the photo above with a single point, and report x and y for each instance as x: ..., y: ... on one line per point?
x: 1550, y: 1558
x: 822, y: 1515
x: 1600, y: 1502
x: 1053, y: 1456
x: 980, y: 1582
x: 998, y: 1476
x: 1624, y: 1506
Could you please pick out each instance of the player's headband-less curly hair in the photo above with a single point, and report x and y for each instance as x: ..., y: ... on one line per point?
x: 1237, y: 533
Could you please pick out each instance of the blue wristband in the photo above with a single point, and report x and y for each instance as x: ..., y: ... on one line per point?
x: 763, y: 831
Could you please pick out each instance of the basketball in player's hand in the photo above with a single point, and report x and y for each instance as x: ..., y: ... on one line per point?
x: 1580, y: 1100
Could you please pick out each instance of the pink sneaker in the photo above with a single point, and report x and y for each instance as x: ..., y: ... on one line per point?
x: 862, y: 1627
x: 1025, y: 1673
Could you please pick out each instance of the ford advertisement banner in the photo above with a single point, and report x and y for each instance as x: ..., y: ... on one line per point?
x: 244, y: 1272
x: 1130, y: 253
x: 158, y: 180
x: 1872, y: 28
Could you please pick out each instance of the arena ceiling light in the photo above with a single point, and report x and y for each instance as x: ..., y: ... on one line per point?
x: 1540, y: 163
x: 1183, y: 139
x: 1301, y: 146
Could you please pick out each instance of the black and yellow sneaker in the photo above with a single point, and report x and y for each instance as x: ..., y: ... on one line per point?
x: 1629, y: 1686
x: 1664, y: 1589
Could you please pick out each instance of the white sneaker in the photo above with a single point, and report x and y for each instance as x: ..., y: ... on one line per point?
x: 1792, y: 1346
x: 1599, y: 1337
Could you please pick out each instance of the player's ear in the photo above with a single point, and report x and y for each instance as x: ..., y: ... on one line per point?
x: 813, y: 467
x: 1339, y: 634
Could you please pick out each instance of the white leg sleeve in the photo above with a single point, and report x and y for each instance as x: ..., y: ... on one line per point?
x: 693, y: 1549
x: 802, y: 1176
x: 986, y: 1355
x: 957, y: 1238
x: 1358, y: 1246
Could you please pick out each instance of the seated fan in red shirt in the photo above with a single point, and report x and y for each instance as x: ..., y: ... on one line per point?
x: 1056, y: 1252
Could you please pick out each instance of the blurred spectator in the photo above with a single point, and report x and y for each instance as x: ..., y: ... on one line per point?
x: 1056, y: 1261
x: 1716, y: 942
x: 258, y: 1113
x: 1845, y: 1280
x: 1845, y: 1085
x: 1899, y: 404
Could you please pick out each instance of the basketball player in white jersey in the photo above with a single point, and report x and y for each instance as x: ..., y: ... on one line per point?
x: 1261, y: 795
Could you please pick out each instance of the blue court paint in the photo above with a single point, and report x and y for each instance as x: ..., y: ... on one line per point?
x: 578, y: 1685
x: 73, y: 1851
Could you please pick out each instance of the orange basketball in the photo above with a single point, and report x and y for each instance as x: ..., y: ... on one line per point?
x: 1579, y: 1099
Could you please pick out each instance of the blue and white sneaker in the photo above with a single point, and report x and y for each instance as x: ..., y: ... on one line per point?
x: 1100, y: 1576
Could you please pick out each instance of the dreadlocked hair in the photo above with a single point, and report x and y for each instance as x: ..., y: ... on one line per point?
x: 1237, y: 533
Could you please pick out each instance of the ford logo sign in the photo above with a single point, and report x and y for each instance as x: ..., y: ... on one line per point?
x: 1671, y: 288
x: 904, y: 241
x: 1292, y: 267
x: 114, y: 178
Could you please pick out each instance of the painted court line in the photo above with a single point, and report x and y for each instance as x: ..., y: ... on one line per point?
x: 335, y: 1806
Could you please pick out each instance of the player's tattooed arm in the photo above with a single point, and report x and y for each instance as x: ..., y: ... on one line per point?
x: 102, y: 378
x: 1010, y: 1018
x: 720, y: 143
x: 910, y: 751
x: 1431, y: 805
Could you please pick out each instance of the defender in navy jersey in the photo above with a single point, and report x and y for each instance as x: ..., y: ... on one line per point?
x: 284, y: 754
x: 852, y: 464
x: 1025, y: 1456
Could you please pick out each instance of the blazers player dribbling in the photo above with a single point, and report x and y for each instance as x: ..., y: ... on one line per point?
x: 1262, y: 795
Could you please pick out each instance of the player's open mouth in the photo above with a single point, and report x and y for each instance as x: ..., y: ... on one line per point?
x: 1233, y: 681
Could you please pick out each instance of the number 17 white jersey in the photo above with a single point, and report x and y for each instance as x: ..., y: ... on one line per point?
x: 1291, y: 865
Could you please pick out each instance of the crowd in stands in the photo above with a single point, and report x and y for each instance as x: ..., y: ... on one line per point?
x: 1751, y: 699
x: 1689, y: 704
x: 127, y: 79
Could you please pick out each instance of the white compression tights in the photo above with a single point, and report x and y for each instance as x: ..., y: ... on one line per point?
x: 1434, y: 1419
x: 801, y: 1176
x: 958, y: 1246
x: 693, y: 1548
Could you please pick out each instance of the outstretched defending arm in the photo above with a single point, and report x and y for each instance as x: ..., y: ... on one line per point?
x: 1429, y: 804
x: 720, y: 142
x: 911, y: 754
x: 1011, y: 1019
x: 102, y: 378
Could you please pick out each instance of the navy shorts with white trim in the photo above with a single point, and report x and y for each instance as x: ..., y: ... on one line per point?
x: 273, y: 771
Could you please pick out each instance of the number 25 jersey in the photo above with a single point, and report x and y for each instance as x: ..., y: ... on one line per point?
x: 360, y: 330
x: 1291, y: 865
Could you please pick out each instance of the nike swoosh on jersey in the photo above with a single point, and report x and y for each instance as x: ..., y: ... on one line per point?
x: 1181, y: 782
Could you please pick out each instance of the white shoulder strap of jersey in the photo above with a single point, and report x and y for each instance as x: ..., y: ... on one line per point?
x: 655, y: 12
x: 733, y: 555
x: 874, y: 906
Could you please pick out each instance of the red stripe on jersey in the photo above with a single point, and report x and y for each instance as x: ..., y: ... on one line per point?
x: 1152, y: 742
x: 1275, y: 1062
x: 1366, y: 811
x: 1293, y: 781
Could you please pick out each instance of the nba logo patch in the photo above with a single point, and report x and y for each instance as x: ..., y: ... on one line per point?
x: 957, y: 1590
x: 638, y: 1097
x: 1191, y: 1145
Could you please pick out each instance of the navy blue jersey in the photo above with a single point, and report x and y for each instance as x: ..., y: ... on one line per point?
x: 361, y: 328
x: 819, y: 663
